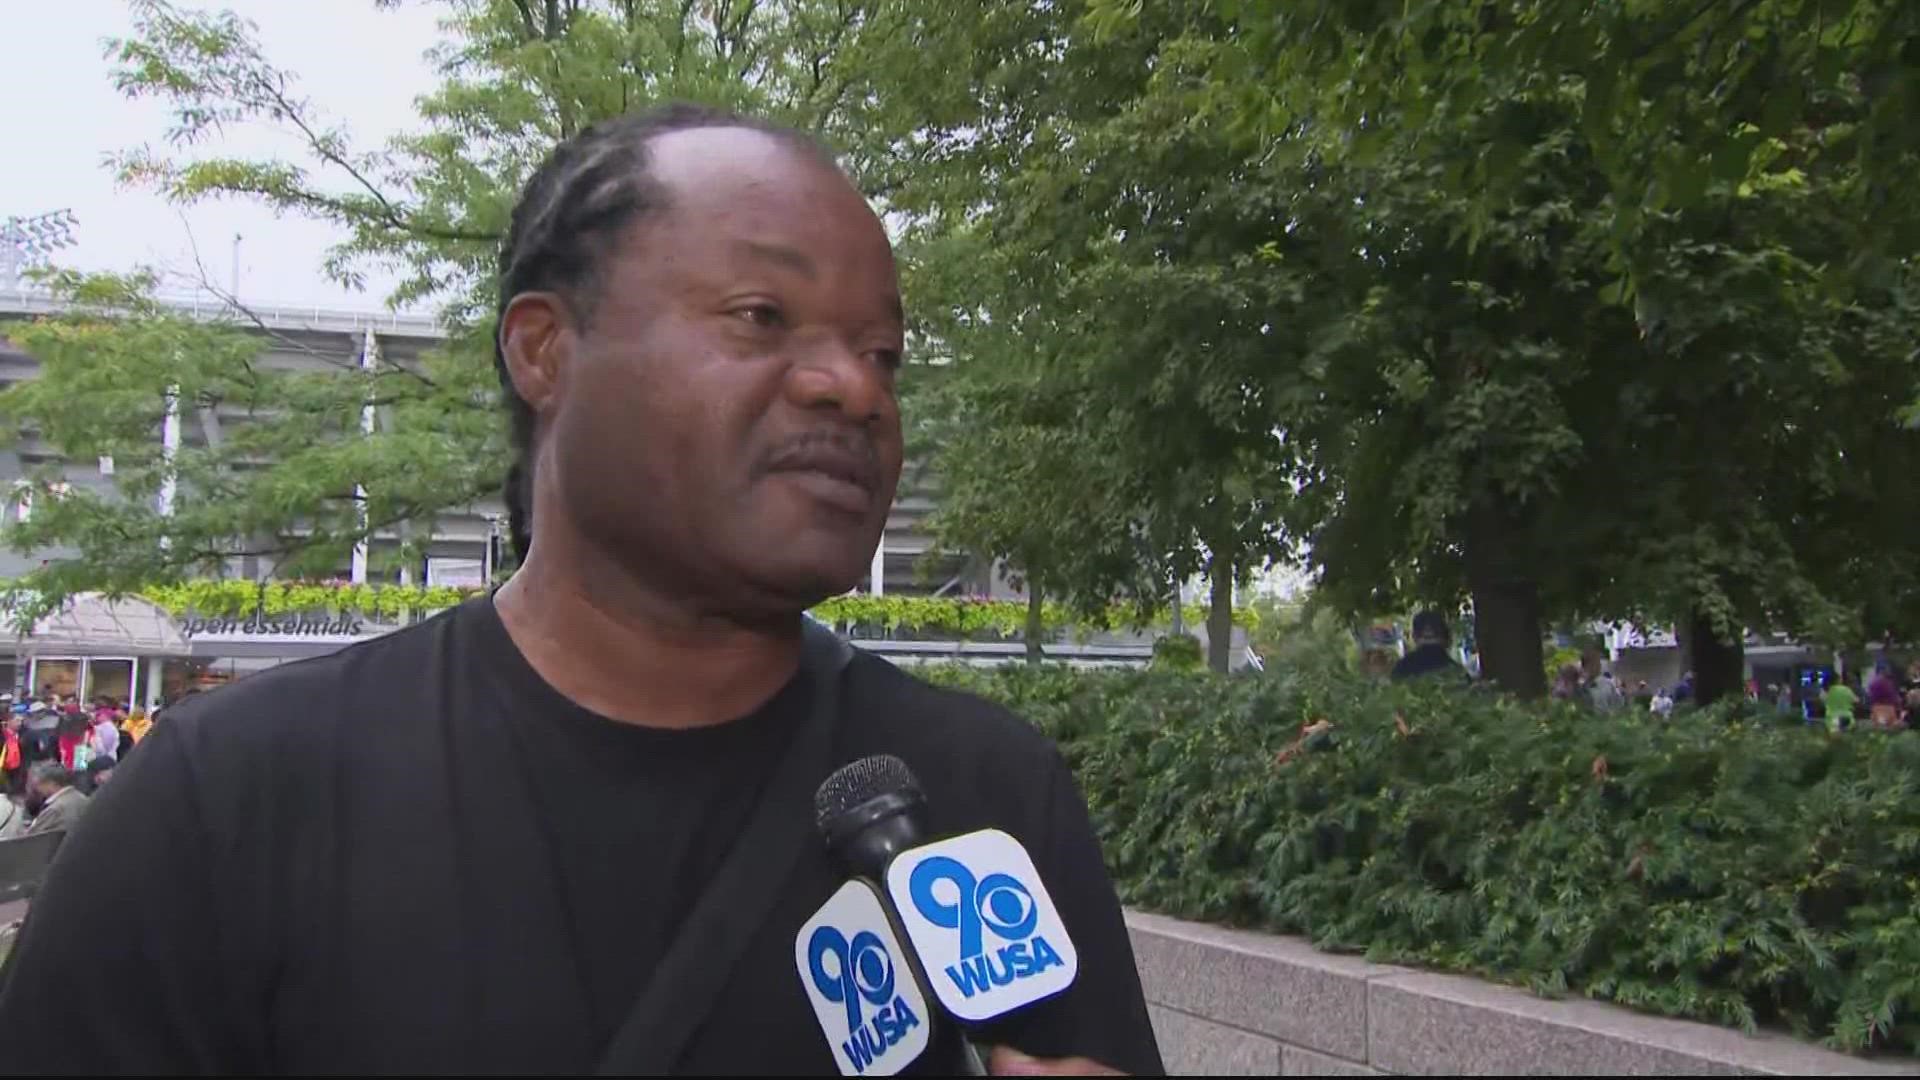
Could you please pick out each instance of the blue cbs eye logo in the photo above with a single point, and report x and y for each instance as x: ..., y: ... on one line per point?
x: 998, y: 901
x: 861, y: 969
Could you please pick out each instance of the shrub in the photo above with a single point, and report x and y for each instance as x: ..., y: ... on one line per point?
x: 1725, y: 865
x: 1178, y: 652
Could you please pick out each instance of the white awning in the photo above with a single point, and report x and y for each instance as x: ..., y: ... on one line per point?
x: 92, y: 625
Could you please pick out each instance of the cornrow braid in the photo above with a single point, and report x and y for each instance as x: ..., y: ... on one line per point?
x: 570, y: 216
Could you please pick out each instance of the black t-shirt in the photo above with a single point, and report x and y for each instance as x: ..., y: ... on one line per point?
x: 416, y: 856
x: 1428, y: 660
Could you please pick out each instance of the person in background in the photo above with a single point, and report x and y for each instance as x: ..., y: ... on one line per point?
x: 1782, y: 696
x: 1912, y: 717
x: 136, y: 726
x: 41, y: 725
x: 51, y: 798
x: 1566, y: 684
x: 13, y: 761
x: 1430, y: 655
x: 1883, y: 698
x: 1606, y: 692
x: 104, y: 735
x: 74, y: 741
x: 1683, y: 690
x: 1661, y: 705
x: 13, y: 818
x: 1643, y: 696
x: 1839, y: 700
x: 99, y: 771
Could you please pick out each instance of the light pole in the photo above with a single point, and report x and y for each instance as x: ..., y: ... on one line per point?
x: 31, y: 241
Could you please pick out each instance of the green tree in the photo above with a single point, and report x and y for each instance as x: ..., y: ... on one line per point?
x: 1516, y: 326
x: 1119, y: 235
x: 1674, y: 95
x: 1504, y: 417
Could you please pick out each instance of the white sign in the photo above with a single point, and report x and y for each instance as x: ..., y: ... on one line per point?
x: 456, y: 573
x: 982, y: 923
x: 862, y: 990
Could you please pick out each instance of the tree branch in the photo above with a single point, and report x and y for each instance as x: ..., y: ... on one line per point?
x: 233, y: 302
x: 323, y: 148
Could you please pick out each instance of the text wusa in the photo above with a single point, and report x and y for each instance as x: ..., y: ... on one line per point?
x: 861, y: 971
x: 997, y: 902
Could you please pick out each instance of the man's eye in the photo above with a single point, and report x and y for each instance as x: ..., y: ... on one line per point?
x: 888, y: 358
x: 765, y: 316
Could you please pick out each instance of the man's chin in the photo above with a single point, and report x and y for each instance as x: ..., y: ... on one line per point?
x: 797, y: 583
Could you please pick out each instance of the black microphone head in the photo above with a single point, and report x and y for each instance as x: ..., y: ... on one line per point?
x: 869, y: 811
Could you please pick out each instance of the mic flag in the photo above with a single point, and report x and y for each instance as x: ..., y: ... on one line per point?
x: 976, y: 912
x: 868, y: 1003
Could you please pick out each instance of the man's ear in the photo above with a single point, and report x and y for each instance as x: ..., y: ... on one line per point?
x: 536, y: 338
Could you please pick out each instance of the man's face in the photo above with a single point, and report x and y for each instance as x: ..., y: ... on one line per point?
x: 727, y: 421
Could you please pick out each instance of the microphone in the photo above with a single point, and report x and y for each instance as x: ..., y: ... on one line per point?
x: 870, y: 811
x: 944, y: 898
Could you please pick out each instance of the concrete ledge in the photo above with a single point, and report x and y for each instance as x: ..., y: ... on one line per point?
x: 1226, y: 1001
x: 1428, y: 1023
x: 1190, y: 1046
x: 1279, y: 987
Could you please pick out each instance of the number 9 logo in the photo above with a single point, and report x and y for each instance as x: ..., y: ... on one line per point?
x: 861, y: 969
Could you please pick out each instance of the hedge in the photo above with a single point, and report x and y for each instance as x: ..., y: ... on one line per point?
x: 960, y: 616
x: 1729, y: 866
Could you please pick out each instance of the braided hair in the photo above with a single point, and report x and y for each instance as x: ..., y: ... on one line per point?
x: 568, y: 220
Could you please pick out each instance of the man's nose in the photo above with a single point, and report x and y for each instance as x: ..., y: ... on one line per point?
x: 831, y: 374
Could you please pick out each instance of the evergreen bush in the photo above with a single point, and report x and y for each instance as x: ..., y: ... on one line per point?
x: 1728, y: 865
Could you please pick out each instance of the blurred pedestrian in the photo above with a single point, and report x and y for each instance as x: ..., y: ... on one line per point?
x: 1430, y: 655
x: 1883, y: 698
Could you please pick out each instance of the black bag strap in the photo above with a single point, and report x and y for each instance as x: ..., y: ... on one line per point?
x: 702, y: 955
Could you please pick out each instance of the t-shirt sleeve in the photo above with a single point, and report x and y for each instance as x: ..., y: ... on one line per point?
x: 119, y: 966
x: 1103, y: 1015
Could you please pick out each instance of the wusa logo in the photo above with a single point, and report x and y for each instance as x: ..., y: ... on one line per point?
x: 869, y: 1009
x: 984, y: 926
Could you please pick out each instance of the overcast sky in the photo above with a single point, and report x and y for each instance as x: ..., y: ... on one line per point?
x: 363, y: 66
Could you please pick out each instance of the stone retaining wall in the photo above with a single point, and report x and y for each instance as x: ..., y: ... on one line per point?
x: 1247, y: 1004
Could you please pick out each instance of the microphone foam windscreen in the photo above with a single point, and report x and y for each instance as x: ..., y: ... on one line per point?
x: 859, y: 781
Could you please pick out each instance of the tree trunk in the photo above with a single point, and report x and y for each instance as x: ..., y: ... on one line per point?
x: 1220, y: 613
x: 1719, y: 667
x: 1035, y: 653
x: 1179, y: 611
x: 1506, y: 606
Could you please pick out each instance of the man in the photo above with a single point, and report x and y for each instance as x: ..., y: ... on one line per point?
x: 1840, y: 700
x: 13, y: 758
x: 1683, y: 690
x: 1430, y: 656
x: 99, y: 771
x: 105, y: 736
x: 469, y: 845
x: 1606, y: 693
x: 51, y: 798
x: 41, y: 730
x: 1883, y: 697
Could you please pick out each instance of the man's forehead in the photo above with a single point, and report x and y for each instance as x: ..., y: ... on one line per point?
x: 724, y: 168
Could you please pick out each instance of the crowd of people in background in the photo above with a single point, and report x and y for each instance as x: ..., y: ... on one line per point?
x: 1888, y: 700
x: 55, y: 751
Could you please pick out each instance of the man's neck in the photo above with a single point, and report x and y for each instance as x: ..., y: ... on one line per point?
x: 624, y: 651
